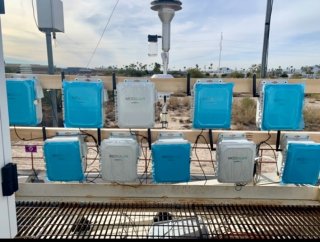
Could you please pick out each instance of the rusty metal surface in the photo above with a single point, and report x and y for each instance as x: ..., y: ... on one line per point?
x: 147, y: 221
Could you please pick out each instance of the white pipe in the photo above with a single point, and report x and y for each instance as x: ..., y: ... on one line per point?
x: 165, y: 62
x: 8, y: 219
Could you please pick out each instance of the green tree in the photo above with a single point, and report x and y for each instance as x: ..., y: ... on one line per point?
x: 195, y: 73
x: 255, y: 69
x: 156, y: 68
x: 236, y: 74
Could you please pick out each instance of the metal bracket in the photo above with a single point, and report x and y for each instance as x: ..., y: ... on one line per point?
x: 68, y: 133
x: 212, y: 80
x: 9, y: 179
x: 170, y: 135
x: 123, y: 134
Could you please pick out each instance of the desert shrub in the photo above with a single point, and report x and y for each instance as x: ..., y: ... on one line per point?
x: 195, y: 73
x: 185, y: 102
x: 312, y: 119
x: 173, y: 103
x: 314, y: 96
x: 244, y: 112
x: 179, y: 102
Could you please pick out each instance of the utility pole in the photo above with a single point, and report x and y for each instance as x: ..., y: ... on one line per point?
x: 264, y: 63
x: 220, y: 51
x: 53, y: 93
x: 50, y: 20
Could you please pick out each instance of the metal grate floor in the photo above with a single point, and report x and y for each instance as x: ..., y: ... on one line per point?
x: 148, y: 221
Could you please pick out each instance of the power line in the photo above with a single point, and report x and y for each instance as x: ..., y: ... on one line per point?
x: 104, y: 30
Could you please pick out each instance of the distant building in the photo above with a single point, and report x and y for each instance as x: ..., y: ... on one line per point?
x: 25, y: 68
x: 316, y: 69
x: 225, y: 70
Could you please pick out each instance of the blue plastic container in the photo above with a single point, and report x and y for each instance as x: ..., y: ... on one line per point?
x: 283, y: 107
x: 22, y: 103
x: 63, y: 160
x: 171, y: 162
x: 212, y: 105
x: 302, y: 165
x: 83, y: 104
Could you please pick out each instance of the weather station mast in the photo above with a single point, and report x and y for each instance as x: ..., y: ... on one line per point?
x: 166, y: 10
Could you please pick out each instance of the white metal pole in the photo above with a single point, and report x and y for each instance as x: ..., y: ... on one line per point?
x: 8, y: 219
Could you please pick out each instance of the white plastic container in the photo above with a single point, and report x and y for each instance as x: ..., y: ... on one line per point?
x: 235, y: 159
x: 118, y: 157
x: 152, y: 45
x: 135, y: 104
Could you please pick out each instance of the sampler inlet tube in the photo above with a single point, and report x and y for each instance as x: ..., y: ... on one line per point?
x: 166, y: 11
x: 166, y: 15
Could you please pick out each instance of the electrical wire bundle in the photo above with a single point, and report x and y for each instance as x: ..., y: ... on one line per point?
x: 195, y: 148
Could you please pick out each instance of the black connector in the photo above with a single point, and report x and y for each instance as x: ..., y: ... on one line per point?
x: 254, y: 86
x: 44, y: 133
x: 149, y: 138
x: 278, y: 141
x: 99, y: 136
x: 188, y: 84
x: 211, y: 140
x: 9, y: 179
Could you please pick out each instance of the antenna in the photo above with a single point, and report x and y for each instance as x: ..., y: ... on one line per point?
x: 220, y: 51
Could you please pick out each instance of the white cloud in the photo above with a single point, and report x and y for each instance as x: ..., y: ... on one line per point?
x: 195, y: 33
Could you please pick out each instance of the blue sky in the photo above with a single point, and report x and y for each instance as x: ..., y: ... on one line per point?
x: 195, y: 33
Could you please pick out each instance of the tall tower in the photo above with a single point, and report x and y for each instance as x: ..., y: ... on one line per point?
x: 166, y: 10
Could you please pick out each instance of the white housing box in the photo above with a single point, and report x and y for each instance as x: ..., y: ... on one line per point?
x: 119, y: 156
x: 135, y: 104
x: 50, y: 15
x: 235, y: 159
